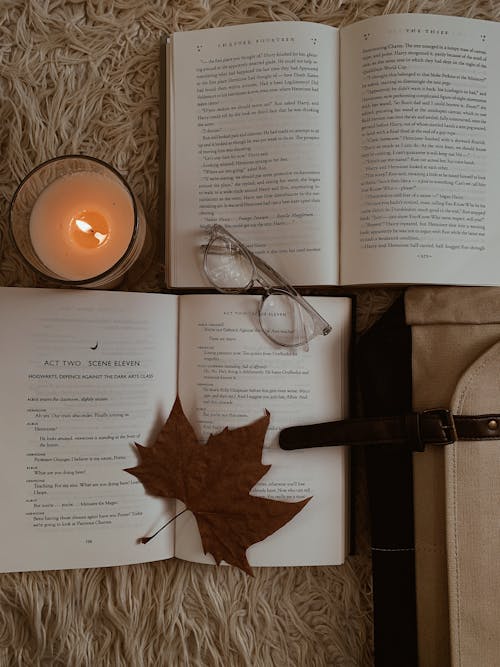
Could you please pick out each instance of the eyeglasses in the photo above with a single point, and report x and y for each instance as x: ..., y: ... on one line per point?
x: 285, y: 317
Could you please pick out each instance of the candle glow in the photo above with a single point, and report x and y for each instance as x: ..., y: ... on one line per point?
x: 82, y: 224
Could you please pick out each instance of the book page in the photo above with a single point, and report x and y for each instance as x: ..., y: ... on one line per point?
x: 420, y: 147
x: 254, y: 146
x: 85, y: 374
x: 229, y: 374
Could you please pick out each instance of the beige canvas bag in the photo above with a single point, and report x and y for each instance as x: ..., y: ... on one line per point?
x: 456, y: 365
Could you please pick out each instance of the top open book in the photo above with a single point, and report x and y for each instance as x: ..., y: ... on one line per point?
x: 366, y: 154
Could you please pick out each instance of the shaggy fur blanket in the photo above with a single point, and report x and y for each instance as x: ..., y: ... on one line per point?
x: 83, y: 77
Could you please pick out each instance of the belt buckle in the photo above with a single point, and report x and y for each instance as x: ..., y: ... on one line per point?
x: 447, y: 424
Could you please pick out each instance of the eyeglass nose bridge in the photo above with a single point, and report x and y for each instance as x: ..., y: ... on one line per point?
x: 259, y: 281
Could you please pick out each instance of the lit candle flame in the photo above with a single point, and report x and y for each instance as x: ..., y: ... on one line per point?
x: 85, y: 227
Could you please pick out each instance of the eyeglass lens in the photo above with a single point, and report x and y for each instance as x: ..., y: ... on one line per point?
x: 284, y: 321
x: 226, y: 265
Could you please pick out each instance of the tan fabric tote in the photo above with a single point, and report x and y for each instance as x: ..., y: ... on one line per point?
x: 456, y: 365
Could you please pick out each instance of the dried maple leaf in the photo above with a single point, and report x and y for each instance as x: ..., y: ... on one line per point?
x: 214, y: 482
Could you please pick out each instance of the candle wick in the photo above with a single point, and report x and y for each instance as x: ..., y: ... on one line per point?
x: 84, y: 226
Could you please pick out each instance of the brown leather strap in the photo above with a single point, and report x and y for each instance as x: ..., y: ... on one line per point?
x: 414, y: 430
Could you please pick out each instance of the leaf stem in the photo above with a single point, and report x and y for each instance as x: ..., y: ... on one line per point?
x: 145, y: 540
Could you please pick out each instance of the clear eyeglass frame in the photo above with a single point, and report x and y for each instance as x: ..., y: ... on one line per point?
x: 285, y: 317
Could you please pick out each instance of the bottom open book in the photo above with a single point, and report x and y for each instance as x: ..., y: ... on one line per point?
x: 86, y: 374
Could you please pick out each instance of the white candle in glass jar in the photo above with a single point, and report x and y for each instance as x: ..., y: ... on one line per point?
x: 82, y: 224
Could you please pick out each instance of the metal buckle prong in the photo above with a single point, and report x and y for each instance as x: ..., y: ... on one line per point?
x: 447, y: 424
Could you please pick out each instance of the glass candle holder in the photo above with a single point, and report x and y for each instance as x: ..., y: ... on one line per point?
x: 75, y: 220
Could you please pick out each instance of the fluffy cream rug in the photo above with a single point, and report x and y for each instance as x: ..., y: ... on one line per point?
x: 83, y: 76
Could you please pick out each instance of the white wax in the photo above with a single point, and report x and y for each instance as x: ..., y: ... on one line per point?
x: 52, y: 233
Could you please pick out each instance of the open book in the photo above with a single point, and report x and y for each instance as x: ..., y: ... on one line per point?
x: 361, y: 155
x: 85, y: 374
